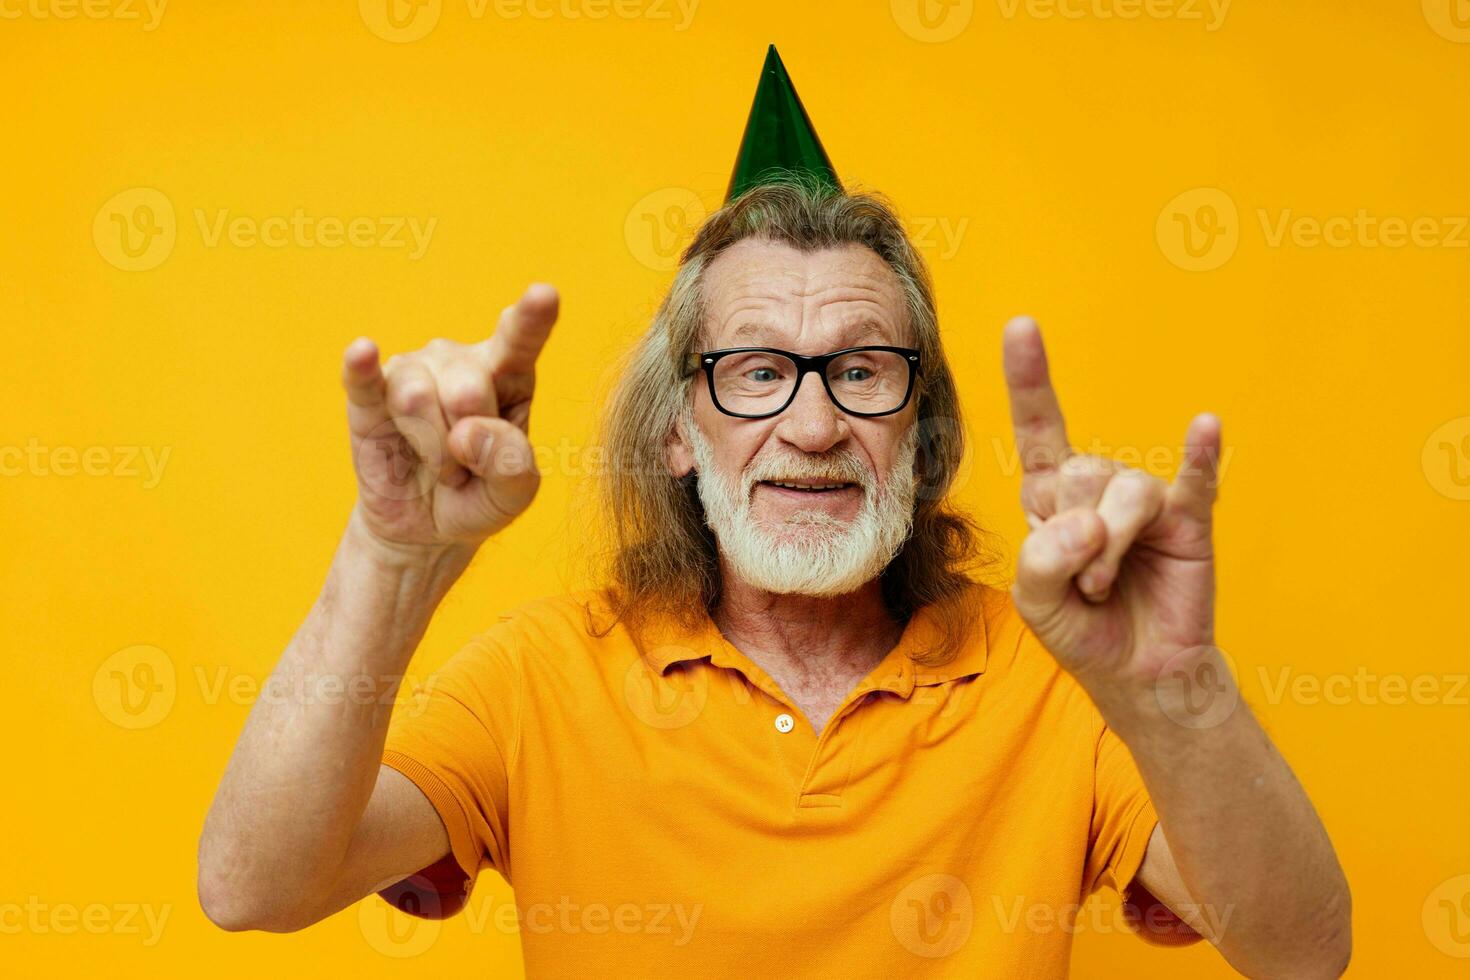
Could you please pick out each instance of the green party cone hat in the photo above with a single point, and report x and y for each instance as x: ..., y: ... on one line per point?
x: 779, y: 138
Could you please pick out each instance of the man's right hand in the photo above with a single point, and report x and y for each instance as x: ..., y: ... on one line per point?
x: 439, y: 435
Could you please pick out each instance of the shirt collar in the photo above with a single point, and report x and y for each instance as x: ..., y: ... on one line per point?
x: 663, y: 642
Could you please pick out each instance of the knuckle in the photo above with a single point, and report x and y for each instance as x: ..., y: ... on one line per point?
x: 1136, y: 486
x: 1075, y: 466
x: 1149, y: 489
x: 410, y: 396
x: 1038, y: 556
x: 1090, y: 472
x: 1086, y: 522
x: 465, y: 398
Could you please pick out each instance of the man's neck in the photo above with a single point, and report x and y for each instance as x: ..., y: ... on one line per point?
x: 815, y: 649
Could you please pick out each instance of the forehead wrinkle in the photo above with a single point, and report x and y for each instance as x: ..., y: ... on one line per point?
x: 852, y: 328
x: 748, y: 291
x: 856, y: 305
x: 853, y: 301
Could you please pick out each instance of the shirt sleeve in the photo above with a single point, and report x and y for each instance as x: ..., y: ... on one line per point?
x: 457, y: 738
x: 1123, y: 822
x: 1123, y: 818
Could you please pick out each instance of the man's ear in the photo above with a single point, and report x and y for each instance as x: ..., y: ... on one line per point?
x: 677, y: 453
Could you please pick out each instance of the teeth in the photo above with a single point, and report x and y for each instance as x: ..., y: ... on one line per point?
x: 800, y: 486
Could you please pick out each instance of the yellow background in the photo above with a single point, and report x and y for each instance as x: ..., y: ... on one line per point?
x: 1047, y: 148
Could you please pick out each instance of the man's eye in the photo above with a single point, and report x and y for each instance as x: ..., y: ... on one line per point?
x: 856, y: 374
x: 762, y: 374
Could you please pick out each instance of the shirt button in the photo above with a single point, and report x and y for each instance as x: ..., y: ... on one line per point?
x: 784, y: 722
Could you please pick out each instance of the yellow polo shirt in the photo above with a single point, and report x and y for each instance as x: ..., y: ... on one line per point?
x: 661, y: 808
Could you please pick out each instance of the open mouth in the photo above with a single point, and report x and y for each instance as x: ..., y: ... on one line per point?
x: 808, y: 487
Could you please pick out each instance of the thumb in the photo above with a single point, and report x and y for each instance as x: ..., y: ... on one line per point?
x: 1051, y: 556
x: 499, y: 453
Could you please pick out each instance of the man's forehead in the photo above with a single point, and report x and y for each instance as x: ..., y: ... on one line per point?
x: 756, y: 285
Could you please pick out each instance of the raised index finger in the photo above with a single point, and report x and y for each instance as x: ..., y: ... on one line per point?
x: 523, y: 329
x: 1036, y: 415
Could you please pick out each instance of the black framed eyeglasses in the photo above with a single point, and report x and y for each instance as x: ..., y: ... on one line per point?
x: 758, y: 382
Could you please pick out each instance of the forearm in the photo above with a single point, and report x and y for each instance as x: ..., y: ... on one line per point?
x: 1246, y: 839
x: 307, y: 760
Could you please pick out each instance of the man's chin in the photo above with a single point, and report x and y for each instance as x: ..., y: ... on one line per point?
x: 802, y: 534
x: 830, y: 588
x: 803, y: 560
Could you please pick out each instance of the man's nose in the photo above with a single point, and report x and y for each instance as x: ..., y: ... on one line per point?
x: 812, y: 423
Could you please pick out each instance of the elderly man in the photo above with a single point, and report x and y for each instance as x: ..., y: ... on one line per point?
x: 790, y: 736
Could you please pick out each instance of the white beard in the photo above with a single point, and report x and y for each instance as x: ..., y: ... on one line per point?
x: 809, y: 553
